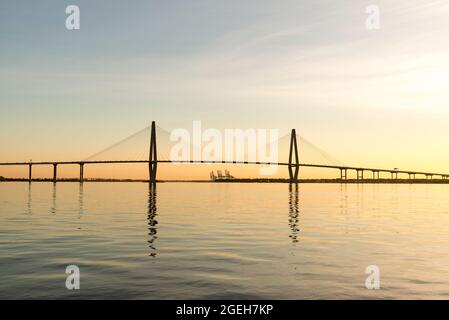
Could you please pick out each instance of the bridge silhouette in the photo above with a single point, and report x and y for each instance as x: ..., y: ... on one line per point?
x: 293, y: 165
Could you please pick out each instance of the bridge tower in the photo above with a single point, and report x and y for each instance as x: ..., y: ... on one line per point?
x: 30, y: 171
x: 152, y: 161
x: 55, y: 172
x: 293, y: 168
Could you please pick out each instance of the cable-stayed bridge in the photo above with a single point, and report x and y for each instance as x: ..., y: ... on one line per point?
x: 293, y: 162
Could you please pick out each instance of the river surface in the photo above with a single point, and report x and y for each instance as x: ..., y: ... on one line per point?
x: 223, y: 241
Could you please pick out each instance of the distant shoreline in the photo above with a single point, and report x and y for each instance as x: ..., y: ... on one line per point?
x: 317, y: 181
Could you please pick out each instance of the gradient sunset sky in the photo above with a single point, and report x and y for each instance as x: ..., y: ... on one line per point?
x: 377, y: 98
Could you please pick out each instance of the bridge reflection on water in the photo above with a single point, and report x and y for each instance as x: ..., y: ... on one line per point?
x: 152, y: 212
x: 293, y: 215
x: 152, y: 222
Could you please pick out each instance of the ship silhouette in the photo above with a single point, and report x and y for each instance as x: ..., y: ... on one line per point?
x: 220, y: 176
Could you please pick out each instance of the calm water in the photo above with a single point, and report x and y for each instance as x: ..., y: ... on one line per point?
x: 203, y: 240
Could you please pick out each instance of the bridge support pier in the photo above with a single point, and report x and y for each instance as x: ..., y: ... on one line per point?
x: 343, y: 175
x: 55, y: 170
x: 152, y: 161
x: 360, y: 175
x: 293, y: 175
x: 376, y: 175
x: 30, y: 171
x: 81, y: 172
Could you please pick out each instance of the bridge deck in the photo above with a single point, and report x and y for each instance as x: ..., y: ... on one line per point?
x: 223, y: 162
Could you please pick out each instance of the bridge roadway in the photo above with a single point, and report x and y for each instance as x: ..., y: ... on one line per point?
x: 343, y: 169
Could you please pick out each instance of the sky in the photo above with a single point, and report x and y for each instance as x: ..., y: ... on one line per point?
x: 375, y: 98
